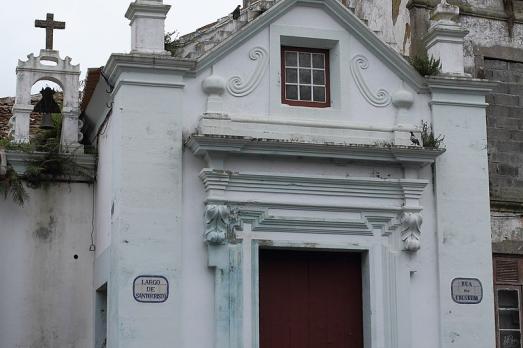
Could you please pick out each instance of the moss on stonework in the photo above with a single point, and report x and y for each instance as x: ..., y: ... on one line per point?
x: 395, y: 10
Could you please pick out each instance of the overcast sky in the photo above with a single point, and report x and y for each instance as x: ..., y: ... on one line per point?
x: 94, y: 29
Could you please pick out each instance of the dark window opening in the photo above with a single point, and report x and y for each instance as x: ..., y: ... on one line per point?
x: 305, y: 77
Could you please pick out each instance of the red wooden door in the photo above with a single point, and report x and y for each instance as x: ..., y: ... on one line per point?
x: 310, y: 299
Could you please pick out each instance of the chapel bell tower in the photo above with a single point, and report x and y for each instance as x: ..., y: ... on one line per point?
x: 58, y: 70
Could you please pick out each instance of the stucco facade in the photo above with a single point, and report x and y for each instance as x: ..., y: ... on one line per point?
x: 189, y: 142
x: 201, y: 166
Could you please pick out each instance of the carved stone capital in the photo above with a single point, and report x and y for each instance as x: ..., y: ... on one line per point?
x: 217, y: 223
x: 411, y: 233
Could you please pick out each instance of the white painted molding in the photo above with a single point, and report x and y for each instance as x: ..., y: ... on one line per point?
x: 87, y: 162
x: 382, y: 97
x: 398, y: 189
x: 209, y: 146
x: 235, y: 84
x: 411, y: 235
x: 293, y: 220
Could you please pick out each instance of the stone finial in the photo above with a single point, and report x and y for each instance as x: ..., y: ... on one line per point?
x: 445, y: 38
x: 148, y: 26
x: 445, y: 12
x: 214, y: 87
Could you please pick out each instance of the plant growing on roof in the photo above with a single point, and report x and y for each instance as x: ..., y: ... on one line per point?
x: 171, y: 42
x: 51, y: 166
x: 428, y: 138
x: 425, y: 65
x: 11, y: 185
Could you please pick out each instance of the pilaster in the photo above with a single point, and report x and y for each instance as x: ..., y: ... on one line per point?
x: 146, y: 196
x: 462, y: 201
x: 147, y: 26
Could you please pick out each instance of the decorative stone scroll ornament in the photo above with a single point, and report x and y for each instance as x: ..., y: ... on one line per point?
x: 235, y: 84
x: 382, y: 98
x: 217, y: 221
x: 411, y: 235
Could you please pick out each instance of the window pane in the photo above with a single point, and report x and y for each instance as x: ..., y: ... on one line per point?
x: 305, y: 76
x: 305, y: 59
x: 318, y: 77
x: 318, y: 60
x: 291, y: 58
x: 319, y: 94
x: 305, y: 93
x: 508, y: 299
x: 508, y: 320
x: 291, y: 92
x: 291, y: 75
x: 510, y: 339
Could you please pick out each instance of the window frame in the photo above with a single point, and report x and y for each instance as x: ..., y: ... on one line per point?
x: 514, y: 282
x: 292, y: 102
x: 518, y: 289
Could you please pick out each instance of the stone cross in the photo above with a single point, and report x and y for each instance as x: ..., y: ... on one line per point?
x: 49, y: 24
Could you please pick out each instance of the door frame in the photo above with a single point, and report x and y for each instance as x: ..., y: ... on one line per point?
x: 386, y: 273
x: 285, y: 245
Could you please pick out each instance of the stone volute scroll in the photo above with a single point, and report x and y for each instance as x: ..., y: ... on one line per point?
x: 382, y: 97
x: 411, y: 233
x: 217, y: 223
x: 237, y: 87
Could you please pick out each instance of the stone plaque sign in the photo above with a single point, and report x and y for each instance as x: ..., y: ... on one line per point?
x: 467, y: 291
x: 151, y: 289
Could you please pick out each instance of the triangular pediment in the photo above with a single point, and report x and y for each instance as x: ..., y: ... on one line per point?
x: 343, y: 15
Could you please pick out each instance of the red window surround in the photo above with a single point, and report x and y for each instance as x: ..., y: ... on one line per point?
x: 305, y: 77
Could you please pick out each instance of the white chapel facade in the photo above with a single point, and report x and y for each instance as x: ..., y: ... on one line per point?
x: 274, y: 190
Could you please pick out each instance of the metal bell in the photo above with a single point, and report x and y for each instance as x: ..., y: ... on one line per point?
x: 47, y: 121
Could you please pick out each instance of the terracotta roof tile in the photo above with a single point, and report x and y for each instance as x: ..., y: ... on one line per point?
x: 6, y: 106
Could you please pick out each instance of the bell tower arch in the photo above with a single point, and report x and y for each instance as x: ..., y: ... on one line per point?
x: 62, y: 72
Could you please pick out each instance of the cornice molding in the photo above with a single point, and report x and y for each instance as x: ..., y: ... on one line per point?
x: 204, y: 145
x: 398, y: 189
x: 267, y: 219
x: 120, y: 62
x: 463, y: 84
x: 20, y: 160
x: 149, y: 10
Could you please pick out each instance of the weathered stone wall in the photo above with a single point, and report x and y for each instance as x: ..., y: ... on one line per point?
x: 493, y: 50
x: 505, y: 139
x: 507, y: 232
x: 505, y: 130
